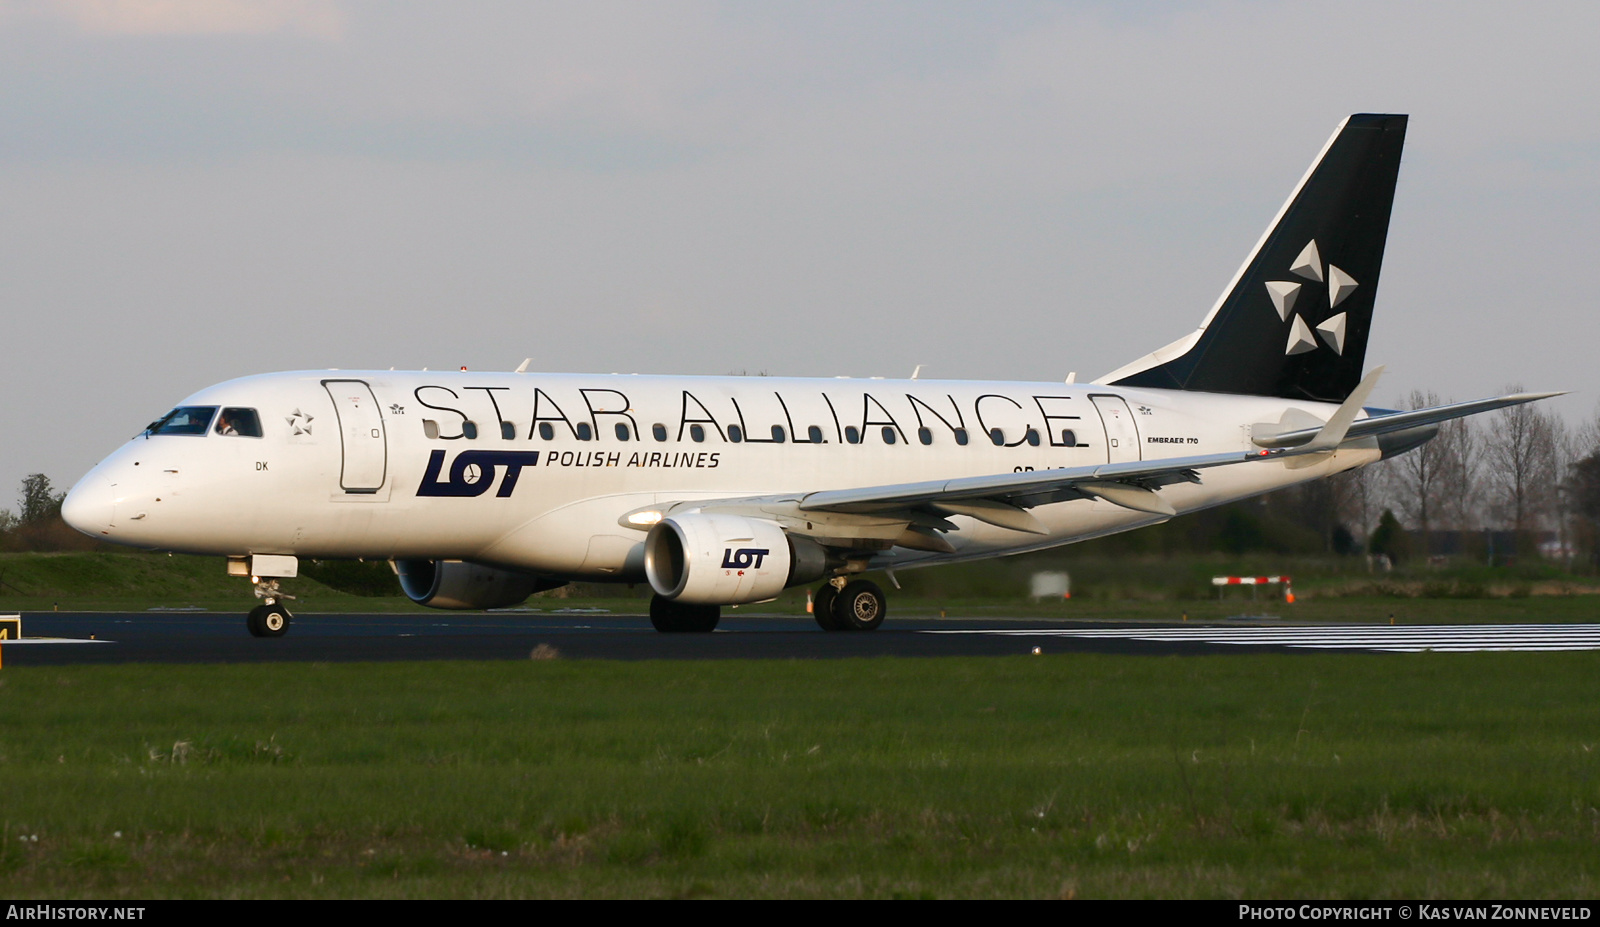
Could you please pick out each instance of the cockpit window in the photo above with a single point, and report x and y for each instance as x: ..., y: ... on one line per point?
x: 184, y: 420
x: 242, y: 422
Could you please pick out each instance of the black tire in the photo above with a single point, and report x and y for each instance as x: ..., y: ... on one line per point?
x: 860, y: 606
x: 822, y: 608
x: 673, y: 617
x: 268, y: 621
x: 275, y: 620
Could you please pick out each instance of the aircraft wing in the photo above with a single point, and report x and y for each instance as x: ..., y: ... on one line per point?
x: 1132, y: 484
x: 914, y: 514
x: 1400, y: 421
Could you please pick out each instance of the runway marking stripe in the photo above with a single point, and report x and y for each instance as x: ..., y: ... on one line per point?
x: 51, y: 640
x: 1407, y: 639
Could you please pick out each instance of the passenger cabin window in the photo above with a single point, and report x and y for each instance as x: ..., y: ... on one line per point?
x: 430, y: 428
x: 243, y: 423
x: 469, y: 430
x: 622, y: 431
x: 961, y: 436
x: 584, y: 433
x: 888, y: 434
x: 508, y: 431
x: 815, y: 434
x: 659, y: 431
x: 998, y: 436
x: 547, y: 431
x: 777, y: 434
x: 1033, y: 437
x: 697, y: 433
x: 1068, y: 437
x: 735, y: 434
x: 184, y: 420
x: 925, y: 435
x: 852, y: 435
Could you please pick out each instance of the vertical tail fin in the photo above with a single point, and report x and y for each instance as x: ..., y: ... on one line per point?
x: 1294, y: 320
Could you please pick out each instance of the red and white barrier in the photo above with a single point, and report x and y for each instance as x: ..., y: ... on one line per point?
x: 1288, y: 593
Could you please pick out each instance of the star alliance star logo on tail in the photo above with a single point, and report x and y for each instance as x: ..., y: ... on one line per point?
x: 1285, y: 293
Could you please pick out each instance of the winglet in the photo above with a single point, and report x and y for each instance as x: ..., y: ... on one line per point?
x: 1332, y: 434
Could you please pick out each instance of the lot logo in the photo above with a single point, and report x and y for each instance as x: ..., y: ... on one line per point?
x: 473, y: 472
x: 744, y: 557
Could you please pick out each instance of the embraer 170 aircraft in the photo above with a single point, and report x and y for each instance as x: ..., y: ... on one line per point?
x: 482, y: 488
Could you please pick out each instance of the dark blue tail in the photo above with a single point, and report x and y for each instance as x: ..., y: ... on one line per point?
x: 1294, y: 322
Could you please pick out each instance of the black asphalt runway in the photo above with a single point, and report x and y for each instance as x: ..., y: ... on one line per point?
x: 209, y: 637
x: 59, y: 638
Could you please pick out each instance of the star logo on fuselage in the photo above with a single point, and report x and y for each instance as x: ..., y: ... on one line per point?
x: 1285, y: 293
x: 300, y: 422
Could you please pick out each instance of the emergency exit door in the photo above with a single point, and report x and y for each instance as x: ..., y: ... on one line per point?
x: 1122, y: 437
x: 361, y: 436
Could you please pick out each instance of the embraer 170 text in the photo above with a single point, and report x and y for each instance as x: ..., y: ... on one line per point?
x: 482, y: 488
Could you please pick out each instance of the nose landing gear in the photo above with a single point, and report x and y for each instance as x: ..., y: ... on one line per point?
x: 271, y: 618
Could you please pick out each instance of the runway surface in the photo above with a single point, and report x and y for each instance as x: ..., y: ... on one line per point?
x: 58, y: 638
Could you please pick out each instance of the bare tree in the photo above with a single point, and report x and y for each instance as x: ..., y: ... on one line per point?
x: 1461, y: 473
x: 1566, y: 454
x: 1586, y: 437
x: 1421, y: 478
x: 1521, y: 454
x: 1583, y: 487
x: 1354, y: 500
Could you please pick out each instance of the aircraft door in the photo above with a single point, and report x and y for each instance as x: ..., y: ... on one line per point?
x: 1122, y: 436
x: 361, y: 436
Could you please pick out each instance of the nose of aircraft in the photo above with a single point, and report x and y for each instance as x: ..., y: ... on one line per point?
x: 91, y: 505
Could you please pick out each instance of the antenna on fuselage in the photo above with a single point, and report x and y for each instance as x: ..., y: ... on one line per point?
x: 917, y: 372
x: 523, y: 367
x: 1072, y: 378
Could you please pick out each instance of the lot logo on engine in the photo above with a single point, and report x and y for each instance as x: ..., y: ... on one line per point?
x: 744, y: 557
x: 473, y: 472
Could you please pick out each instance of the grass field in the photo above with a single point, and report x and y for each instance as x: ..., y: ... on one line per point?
x: 1428, y: 775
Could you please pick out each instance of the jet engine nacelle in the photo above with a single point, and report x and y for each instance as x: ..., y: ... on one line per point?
x: 703, y: 559
x: 461, y: 584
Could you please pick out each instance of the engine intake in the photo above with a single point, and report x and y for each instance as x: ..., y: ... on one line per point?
x: 461, y: 584
x: 703, y: 559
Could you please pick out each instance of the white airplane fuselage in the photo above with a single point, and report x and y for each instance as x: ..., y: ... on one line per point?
x: 537, y: 472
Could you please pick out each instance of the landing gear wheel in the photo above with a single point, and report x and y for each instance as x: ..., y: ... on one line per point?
x: 673, y: 617
x: 822, y: 608
x: 268, y: 621
x: 860, y: 606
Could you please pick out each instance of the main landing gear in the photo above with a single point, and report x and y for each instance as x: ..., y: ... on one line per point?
x: 857, y: 605
x: 673, y: 617
x: 271, y: 618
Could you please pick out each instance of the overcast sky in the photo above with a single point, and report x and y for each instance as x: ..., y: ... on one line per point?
x: 193, y: 190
